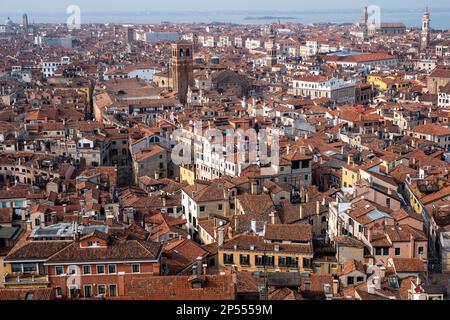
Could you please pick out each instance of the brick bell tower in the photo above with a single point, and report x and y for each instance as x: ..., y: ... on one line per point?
x: 182, y: 68
x: 271, y: 59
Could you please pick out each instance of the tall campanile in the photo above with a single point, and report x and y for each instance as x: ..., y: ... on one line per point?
x: 271, y: 59
x: 182, y: 68
x: 426, y: 31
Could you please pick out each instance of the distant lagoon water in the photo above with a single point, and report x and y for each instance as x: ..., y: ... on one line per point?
x: 440, y: 18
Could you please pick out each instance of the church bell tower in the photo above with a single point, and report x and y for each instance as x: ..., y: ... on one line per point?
x: 426, y: 31
x: 182, y: 68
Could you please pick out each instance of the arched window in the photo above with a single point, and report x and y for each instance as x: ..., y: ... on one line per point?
x: 181, y: 53
x: 188, y: 52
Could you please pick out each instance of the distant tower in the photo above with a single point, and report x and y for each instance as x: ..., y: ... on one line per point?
x: 426, y: 31
x: 366, y: 16
x: 196, y: 44
x: 130, y: 35
x: 25, y: 21
x: 182, y: 68
x: 272, y: 52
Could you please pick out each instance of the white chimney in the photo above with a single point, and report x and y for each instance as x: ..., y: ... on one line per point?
x: 29, y: 225
x: 272, y: 217
x: 377, y: 282
x: 382, y: 272
x: 254, y: 188
x: 253, y: 226
x: 335, y: 287
x: 302, y: 150
x: 220, y: 235
x: 301, y: 212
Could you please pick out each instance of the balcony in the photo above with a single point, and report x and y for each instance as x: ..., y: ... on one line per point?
x: 288, y: 265
x: 18, y: 279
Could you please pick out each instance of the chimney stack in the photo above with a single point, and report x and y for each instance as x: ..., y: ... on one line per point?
x: 272, y: 217
x: 382, y: 272
x: 301, y: 194
x: 29, y: 225
x: 350, y: 159
x: 411, y: 246
x: 110, y: 220
x: 254, y: 187
x: 301, y: 212
x: 418, y: 281
x: 318, y: 208
x: 130, y: 216
x: 253, y: 226
x: 226, y: 197
x: 377, y: 282
x: 199, y: 266
x: 85, y: 220
x: 335, y: 287
x: 53, y: 218
x: 220, y: 235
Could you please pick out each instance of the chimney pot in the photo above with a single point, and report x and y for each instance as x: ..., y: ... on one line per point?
x: 335, y: 287
x: 382, y: 272
x: 199, y: 265
x: 110, y: 220
x: 350, y: 159
x: 220, y: 235
x: 29, y: 225
x: 272, y: 218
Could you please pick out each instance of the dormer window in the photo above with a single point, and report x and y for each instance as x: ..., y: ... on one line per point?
x: 93, y: 244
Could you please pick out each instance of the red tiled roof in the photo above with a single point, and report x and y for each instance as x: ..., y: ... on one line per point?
x: 215, y: 287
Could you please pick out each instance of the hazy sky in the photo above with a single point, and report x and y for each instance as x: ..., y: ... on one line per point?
x: 208, y: 5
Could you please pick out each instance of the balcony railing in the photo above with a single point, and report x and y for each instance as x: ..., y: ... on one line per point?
x: 288, y: 265
x: 25, y: 279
